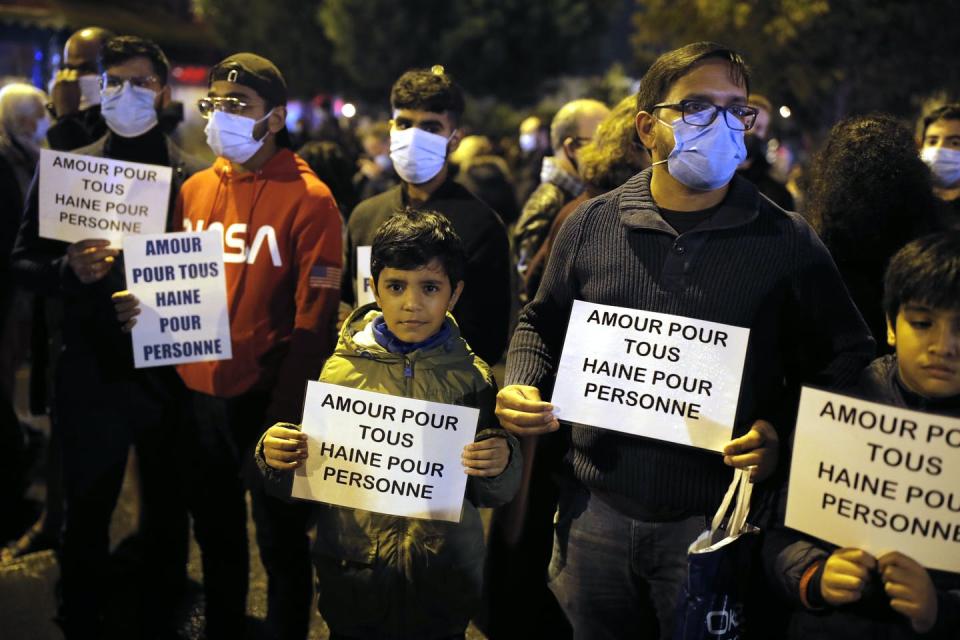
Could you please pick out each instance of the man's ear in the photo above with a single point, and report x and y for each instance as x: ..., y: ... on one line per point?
x: 891, y: 334
x: 457, y: 290
x: 163, y: 98
x: 645, y: 123
x: 278, y: 119
x: 455, y: 138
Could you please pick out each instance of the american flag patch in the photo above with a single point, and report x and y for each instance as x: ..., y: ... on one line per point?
x: 325, y: 277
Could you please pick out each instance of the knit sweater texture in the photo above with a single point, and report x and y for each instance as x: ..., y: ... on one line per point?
x: 750, y: 265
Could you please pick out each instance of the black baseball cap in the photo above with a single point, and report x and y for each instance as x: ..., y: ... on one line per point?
x: 259, y: 74
x: 255, y: 72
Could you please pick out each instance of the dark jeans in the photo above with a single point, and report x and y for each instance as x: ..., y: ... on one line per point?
x: 218, y: 452
x: 614, y: 576
x: 99, y: 418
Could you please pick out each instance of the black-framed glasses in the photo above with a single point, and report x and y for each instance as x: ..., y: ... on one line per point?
x: 112, y: 85
x: 230, y: 105
x: 701, y: 113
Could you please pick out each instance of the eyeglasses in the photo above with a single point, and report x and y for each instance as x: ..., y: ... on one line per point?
x: 233, y: 106
x: 700, y: 113
x: 112, y: 85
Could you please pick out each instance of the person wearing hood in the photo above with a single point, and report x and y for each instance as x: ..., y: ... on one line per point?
x: 282, y: 261
x: 102, y: 405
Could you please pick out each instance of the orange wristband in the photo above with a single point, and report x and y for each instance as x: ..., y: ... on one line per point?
x: 805, y: 583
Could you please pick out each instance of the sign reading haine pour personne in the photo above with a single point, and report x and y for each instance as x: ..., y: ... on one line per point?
x: 84, y: 197
x: 179, y: 280
x: 650, y: 374
x: 383, y: 453
x: 876, y: 477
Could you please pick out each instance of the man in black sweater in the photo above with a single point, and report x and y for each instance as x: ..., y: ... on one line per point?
x: 103, y: 405
x: 689, y: 239
x: 427, y: 106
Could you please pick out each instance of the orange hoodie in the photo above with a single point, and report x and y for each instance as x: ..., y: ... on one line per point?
x: 282, y: 255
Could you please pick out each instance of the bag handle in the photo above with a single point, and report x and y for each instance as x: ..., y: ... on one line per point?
x: 743, y: 489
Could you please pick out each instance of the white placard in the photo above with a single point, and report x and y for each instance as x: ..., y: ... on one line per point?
x: 179, y: 280
x: 384, y: 453
x: 83, y: 197
x: 876, y: 477
x: 364, y: 277
x: 651, y: 374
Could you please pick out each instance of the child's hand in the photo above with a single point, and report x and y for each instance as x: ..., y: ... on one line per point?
x: 845, y: 575
x: 284, y: 447
x: 911, y: 590
x: 487, y: 458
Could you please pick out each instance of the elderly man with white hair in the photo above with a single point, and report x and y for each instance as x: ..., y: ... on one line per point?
x: 23, y: 126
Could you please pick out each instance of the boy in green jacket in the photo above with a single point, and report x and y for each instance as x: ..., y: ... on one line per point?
x: 381, y: 576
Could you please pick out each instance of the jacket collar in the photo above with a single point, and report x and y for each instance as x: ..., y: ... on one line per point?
x: 638, y: 210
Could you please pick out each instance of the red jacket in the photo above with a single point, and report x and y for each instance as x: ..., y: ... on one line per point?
x: 282, y: 255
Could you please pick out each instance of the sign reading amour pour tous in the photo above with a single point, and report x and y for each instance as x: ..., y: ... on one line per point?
x: 651, y: 374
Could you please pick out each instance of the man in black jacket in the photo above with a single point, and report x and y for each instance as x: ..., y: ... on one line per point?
x: 102, y: 404
x: 75, y: 94
x: 427, y: 106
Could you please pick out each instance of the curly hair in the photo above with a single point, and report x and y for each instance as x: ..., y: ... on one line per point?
x: 615, y: 153
x: 869, y: 191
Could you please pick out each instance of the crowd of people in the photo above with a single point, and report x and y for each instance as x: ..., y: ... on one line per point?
x: 664, y: 202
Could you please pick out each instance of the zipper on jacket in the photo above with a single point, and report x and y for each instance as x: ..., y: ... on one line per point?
x: 407, y: 368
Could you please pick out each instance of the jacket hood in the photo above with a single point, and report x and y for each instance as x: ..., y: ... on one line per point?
x: 357, y: 340
x: 284, y: 165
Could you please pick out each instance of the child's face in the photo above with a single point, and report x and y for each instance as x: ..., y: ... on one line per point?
x: 927, y: 341
x: 415, y: 301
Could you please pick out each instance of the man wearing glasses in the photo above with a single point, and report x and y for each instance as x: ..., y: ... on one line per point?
x: 684, y: 237
x: 102, y: 405
x: 282, y: 255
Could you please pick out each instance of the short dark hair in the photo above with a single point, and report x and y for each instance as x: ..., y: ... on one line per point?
x: 673, y: 65
x: 946, y: 112
x: 431, y: 90
x: 122, y: 48
x: 412, y: 238
x: 925, y: 271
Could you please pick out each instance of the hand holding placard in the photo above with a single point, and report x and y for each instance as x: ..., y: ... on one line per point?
x: 521, y: 411
x: 91, y: 260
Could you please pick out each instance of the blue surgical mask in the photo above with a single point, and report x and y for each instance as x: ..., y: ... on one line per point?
x: 944, y: 164
x: 704, y: 158
x: 417, y: 155
x: 130, y: 112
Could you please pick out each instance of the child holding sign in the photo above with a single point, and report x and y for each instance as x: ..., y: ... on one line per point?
x: 379, y: 575
x: 890, y: 596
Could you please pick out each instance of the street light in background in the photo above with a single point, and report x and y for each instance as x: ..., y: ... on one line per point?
x: 348, y: 110
x: 785, y: 112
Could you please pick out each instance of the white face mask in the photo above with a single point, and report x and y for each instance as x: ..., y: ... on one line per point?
x: 528, y: 142
x: 417, y: 155
x: 231, y: 136
x: 130, y: 112
x: 944, y: 164
x: 89, y: 91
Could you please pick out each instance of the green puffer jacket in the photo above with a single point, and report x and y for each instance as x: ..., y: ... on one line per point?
x: 381, y: 576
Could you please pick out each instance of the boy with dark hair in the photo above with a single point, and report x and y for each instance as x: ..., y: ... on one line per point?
x: 940, y: 150
x: 427, y: 106
x: 383, y: 576
x: 102, y: 405
x: 843, y: 593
